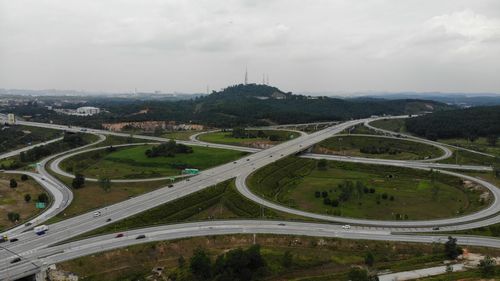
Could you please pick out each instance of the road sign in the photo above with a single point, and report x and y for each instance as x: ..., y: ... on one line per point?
x: 191, y: 171
x: 40, y: 205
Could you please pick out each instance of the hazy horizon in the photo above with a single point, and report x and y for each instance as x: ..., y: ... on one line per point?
x: 184, y: 46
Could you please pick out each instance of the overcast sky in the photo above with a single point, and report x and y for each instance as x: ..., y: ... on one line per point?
x: 185, y: 45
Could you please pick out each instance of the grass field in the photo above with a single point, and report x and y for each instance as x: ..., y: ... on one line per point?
x: 417, y: 194
x: 92, y: 196
x: 395, y: 125
x: 131, y: 162
x: 379, y: 147
x: 226, y: 138
x: 314, y: 258
x: 12, y: 199
x: 179, y: 135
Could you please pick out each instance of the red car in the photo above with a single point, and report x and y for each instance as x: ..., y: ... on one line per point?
x: 119, y: 235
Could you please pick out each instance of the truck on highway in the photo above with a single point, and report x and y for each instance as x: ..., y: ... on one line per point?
x: 41, y: 229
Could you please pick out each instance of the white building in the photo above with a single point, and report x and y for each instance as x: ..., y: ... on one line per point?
x: 88, y: 110
x: 11, y: 118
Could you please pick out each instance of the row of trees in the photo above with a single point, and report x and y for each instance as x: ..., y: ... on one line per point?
x: 379, y: 150
x: 168, y: 149
x: 241, y: 133
x: 70, y: 140
x: 237, y: 264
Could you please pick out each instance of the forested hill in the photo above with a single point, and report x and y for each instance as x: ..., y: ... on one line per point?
x: 262, y: 105
x: 238, y: 105
x: 467, y: 123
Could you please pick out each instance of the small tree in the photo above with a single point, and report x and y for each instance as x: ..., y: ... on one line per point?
x: 105, y: 184
x: 369, y: 259
x: 13, y: 183
x: 327, y: 201
x: 322, y: 164
x: 78, y: 181
x: 451, y: 249
x: 24, y: 177
x: 335, y: 202
x: 44, y: 198
x: 200, y: 265
x: 487, y: 266
x: 27, y: 198
x: 449, y: 268
x: 317, y: 194
x: 287, y: 259
x: 13, y: 217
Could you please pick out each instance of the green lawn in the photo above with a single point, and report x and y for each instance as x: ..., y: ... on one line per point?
x: 417, y: 194
x: 226, y: 138
x: 131, y: 162
x: 377, y: 147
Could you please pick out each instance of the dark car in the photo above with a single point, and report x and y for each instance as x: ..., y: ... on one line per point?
x: 28, y: 224
x: 14, y: 240
x: 119, y: 235
x: 142, y: 236
x: 435, y: 228
x: 170, y: 185
x: 108, y: 220
x: 15, y: 260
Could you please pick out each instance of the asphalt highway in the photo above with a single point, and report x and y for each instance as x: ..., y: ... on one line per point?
x: 72, y: 250
x: 37, y: 251
x: 28, y: 241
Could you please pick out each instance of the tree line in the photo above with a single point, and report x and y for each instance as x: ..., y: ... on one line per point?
x: 469, y: 123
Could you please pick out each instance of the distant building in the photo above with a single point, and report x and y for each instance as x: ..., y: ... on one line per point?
x: 88, y: 110
x: 278, y: 96
x: 11, y: 118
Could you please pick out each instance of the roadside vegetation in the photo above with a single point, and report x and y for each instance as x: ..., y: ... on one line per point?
x: 132, y: 162
x: 14, y: 136
x: 250, y: 138
x: 69, y: 141
x: 366, y: 191
x: 394, y: 125
x: 278, y: 258
x: 463, y: 157
x: 18, y: 195
x: 377, y: 147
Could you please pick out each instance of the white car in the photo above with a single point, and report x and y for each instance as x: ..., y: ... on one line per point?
x: 97, y: 214
x: 346, y: 226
